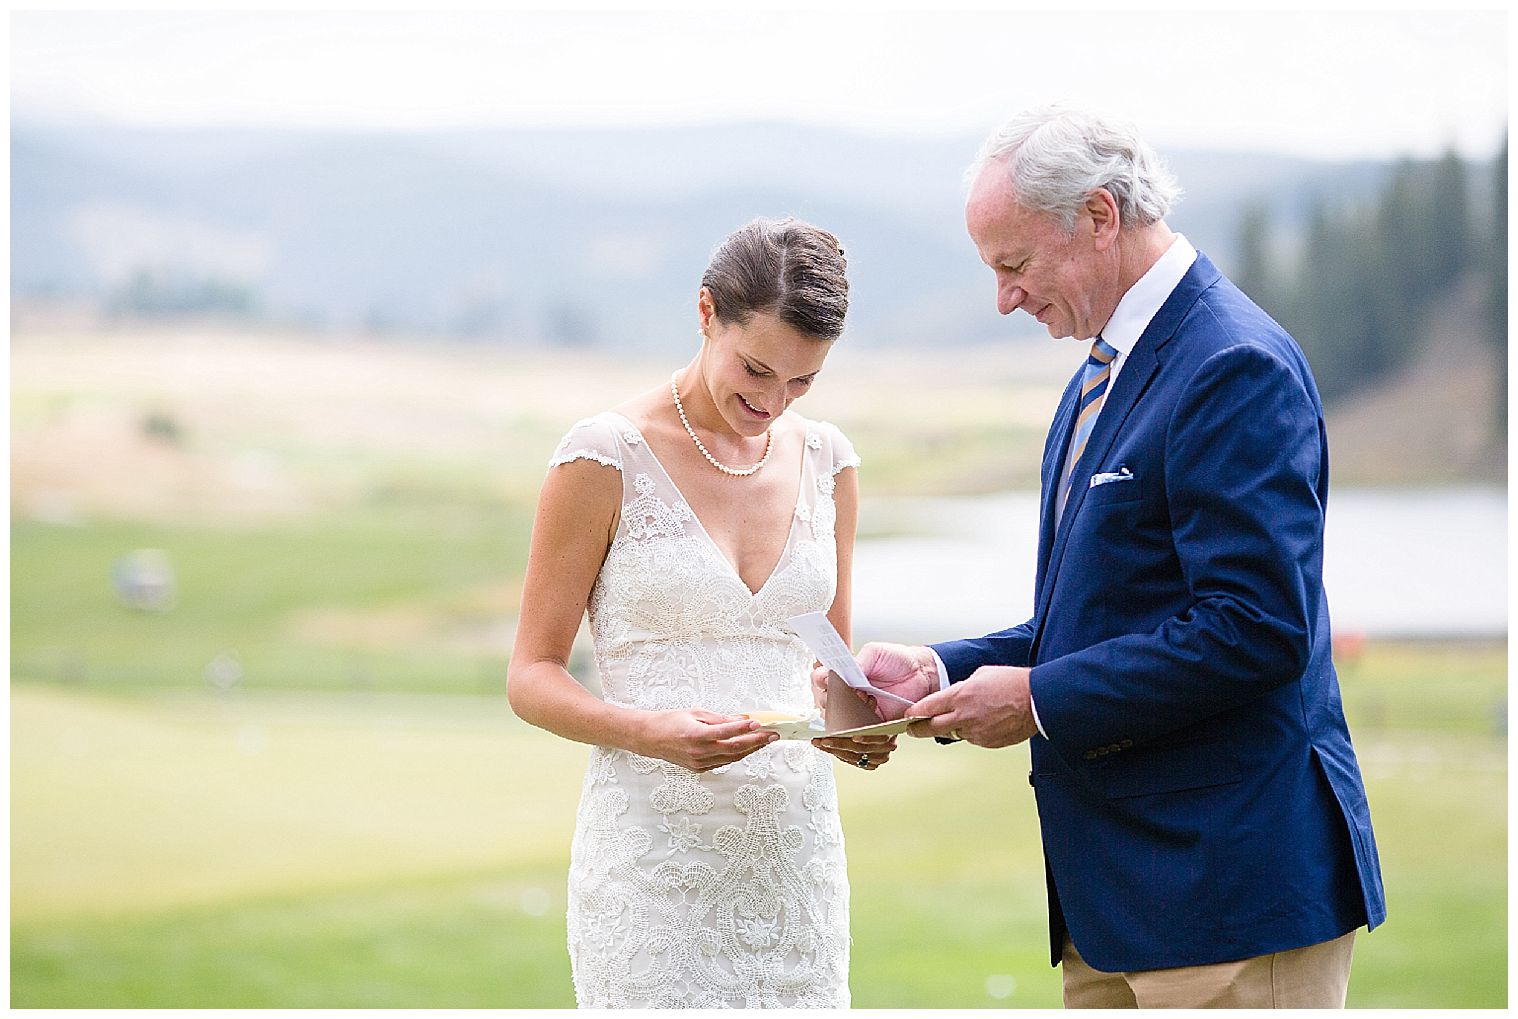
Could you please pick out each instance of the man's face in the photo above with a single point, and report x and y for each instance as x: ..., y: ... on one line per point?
x: 1055, y: 277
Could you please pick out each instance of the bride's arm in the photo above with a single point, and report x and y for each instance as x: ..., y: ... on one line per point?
x: 846, y: 499
x: 576, y: 518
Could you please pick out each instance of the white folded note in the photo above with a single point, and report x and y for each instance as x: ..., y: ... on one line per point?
x: 847, y: 714
x: 817, y: 631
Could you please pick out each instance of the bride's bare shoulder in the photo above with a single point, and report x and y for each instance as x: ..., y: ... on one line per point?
x: 643, y: 410
x: 796, y: 425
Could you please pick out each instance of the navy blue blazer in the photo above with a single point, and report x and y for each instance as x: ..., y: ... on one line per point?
x: 1197, y: 792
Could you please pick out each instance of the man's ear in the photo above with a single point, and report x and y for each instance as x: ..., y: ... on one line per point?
x: 1101, y: 208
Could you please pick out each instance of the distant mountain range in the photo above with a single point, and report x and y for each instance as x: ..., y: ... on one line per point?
x: 590, y: 237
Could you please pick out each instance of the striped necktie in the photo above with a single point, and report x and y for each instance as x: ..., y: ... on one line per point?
x: 1093, y: 389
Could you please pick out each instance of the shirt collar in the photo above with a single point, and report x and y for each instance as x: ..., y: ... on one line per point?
x: 1143, y: 300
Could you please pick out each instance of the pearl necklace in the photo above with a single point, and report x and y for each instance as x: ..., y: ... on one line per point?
x: 769, y: 441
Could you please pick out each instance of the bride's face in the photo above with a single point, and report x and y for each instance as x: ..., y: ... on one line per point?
x: 755, y: 370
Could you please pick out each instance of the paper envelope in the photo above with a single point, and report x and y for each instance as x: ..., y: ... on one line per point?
x: 846, y: 715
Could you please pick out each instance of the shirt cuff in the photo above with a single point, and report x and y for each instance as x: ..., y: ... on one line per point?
x: 1034, y: 708
x: 943, y: 671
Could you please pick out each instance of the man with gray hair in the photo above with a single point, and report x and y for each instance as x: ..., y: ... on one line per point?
x: 1205, y: 828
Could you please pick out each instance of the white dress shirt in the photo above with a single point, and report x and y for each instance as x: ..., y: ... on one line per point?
x: 1130, y: 318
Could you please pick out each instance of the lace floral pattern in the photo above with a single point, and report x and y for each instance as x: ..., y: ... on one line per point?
x: 725, y: 889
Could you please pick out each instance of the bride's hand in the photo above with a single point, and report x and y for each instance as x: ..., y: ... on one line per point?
x: 820, y: 687
x: 701, y: 740
x: 867, y: 752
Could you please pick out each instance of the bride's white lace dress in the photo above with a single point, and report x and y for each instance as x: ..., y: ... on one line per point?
x: 725, y: 888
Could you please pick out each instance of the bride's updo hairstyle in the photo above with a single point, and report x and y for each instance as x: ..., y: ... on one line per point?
x: 783, y: 267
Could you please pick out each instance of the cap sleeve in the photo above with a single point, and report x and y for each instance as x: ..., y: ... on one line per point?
x: 590, y: 439
x: 839, y: 449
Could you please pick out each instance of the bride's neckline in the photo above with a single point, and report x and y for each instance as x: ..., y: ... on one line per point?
x: 790, y: 537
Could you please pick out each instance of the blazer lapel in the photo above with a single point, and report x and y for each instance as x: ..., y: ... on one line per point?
x: 1144, y: 361
x: 1054, y: 454
x: 1130, y: 385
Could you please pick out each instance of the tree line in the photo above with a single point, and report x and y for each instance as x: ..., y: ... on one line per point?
x: 1359, y: 290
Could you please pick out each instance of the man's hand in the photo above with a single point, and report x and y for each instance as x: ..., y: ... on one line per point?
x: 993, y: 708
x: 906, y: 671
x: 868, y: 752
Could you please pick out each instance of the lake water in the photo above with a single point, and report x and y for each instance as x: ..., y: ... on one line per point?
x: 1397, y: 563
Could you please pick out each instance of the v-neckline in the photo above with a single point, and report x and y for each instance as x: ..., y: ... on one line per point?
x: 790, y: 535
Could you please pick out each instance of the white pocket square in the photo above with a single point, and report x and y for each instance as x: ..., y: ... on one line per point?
x: 1121, y: 474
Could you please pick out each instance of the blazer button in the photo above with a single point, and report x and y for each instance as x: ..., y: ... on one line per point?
x: 1030, y: 778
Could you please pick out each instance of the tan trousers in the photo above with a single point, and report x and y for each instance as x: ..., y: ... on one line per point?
x: 1313, y: 977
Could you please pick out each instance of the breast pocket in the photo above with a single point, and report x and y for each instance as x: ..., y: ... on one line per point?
x: 1112, y: 492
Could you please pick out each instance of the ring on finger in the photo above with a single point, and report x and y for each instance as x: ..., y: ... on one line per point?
x: 954, y: 734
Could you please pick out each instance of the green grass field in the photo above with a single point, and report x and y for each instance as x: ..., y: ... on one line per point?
x: 358, y: 821
x: 283, y: 849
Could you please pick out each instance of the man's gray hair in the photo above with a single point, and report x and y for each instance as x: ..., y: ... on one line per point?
x: 1054, y: 156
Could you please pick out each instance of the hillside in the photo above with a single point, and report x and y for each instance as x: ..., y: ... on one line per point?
x: 591, y: 239
x: 1436, y: 420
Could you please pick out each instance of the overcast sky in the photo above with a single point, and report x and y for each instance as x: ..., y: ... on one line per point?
x: 1367, y: 83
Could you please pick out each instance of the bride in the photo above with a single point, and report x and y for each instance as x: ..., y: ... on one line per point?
x: 691, y: 522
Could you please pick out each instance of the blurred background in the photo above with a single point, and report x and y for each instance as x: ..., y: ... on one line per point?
x: 301, y: 304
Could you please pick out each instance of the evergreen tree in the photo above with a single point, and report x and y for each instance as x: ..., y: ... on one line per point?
x: 1405, y: 268
x: 1338, y: 312
x: 1255, y: 274
x: 1450, y: 248
x: 1357, y: 296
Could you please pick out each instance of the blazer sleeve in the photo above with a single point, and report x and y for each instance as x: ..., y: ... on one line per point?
x: 1005, y: 647
x: 1243, y: 460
